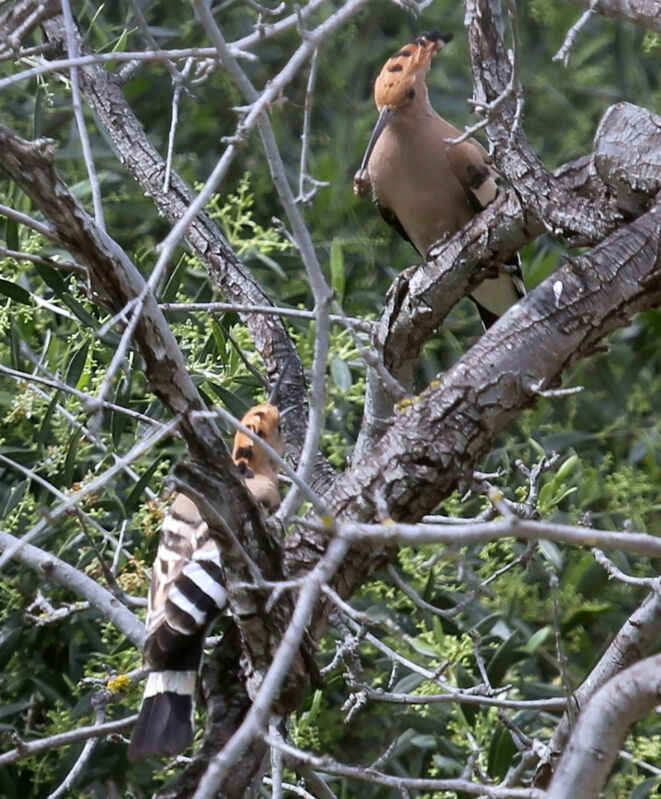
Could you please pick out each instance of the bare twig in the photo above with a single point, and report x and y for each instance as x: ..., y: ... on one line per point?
x: 257, y: 716
x: 363, y: 325
x: 307, y: 185
x: 327, y: 765
x: 76, y: 101
x: 617, y: 574
x: 67, y: 266
x: 73, y: 579
x: 28, y: 748
x: 83, y: 757
x: 28, y: 221
x: 466, y: 534
x: 564, y: 53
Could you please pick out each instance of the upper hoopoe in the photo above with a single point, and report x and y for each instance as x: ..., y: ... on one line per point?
x: 424, y: 187
x: 187, y: 594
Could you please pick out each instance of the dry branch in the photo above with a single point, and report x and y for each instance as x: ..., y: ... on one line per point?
x: 147, y: 167
x: 56, y: 570
x: 601, y: 728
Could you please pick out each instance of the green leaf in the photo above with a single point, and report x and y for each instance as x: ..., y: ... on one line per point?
x: 51, y: 277
x: 315, y: 707
x: 502, y: 659
x: 38, y: 118
x: 645, y: 789
x: 229, y: 399
x: 584, y: 615
x: 13, y: 497
x: 537, y: 447
x: 341, y: 374
x: 11, y: 234
x: 408, y: 683
x: 567, y: 468
x: 501, y: 752
x: 220, y: 339
x: 10, y: 635
x: 119, y: 421
x: 537, y: 640
x: 70, y: 459
x: 77, y: 309
x: 76, y: 365
x: 134, y: 498
x: 273, y: 265
x: 169, y: 293
x: 439, y: 634
x: 447, y: 766
x: 423, y: 741
x: 423, y: 647
x: 120, y: 44
x: 44, y: 432
x: 552, y: 554
x: 338, y: 277
x: 15, y: 292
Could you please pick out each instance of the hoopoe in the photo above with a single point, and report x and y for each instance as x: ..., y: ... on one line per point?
x: 187, y: 594
x: 424, y: 187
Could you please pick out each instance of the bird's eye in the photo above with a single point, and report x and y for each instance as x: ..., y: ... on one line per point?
x: 411, y: 94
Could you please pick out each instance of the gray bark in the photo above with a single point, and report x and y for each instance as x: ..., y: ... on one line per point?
x: 646, y: 13
x: 634, y: 641
x: 601, y: 728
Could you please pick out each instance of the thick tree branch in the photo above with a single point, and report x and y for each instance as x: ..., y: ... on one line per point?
x: 434, y: 444
x: 601, y: 728
x: 635, y: 640
x: 562, y: 212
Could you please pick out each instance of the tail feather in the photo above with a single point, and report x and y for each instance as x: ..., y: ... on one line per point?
x: 165, y: 722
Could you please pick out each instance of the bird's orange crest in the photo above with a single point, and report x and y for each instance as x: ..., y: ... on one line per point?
x: 395, y: 84
x: 264, y: 421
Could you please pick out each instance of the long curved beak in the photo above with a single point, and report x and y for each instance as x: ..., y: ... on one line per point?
x: 385, y: 115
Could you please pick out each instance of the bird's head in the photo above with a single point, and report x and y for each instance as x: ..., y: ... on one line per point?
x: 401, y: 82
x: 403, y: 74
x: 264, y: 421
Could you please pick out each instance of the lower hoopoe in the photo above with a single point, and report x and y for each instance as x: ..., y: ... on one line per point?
x: 187, y: 594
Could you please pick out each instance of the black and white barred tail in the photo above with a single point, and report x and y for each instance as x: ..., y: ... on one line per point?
x: 187, y: 594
